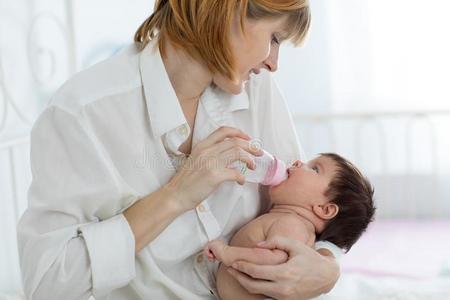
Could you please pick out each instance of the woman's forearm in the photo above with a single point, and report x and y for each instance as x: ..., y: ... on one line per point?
x: 149, y: 216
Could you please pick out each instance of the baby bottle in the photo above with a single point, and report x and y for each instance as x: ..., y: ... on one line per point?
x: 269, y: 170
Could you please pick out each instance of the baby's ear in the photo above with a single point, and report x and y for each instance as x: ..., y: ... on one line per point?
x: 326, y: 211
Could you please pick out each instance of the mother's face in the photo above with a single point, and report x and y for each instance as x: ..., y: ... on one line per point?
x: 254, y: 49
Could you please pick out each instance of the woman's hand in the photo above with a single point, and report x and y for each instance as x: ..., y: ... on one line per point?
x: 206, y: 167
x: 305, y: 275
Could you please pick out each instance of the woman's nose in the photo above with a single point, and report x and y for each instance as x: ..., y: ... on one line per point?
x: 271, y: 62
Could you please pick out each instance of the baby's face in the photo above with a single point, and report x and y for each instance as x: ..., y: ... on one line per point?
x: 306, y: 183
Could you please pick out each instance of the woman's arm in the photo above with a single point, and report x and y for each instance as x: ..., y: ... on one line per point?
x: 200, y: 175
x: 73, y: 241
x: 149, y: 216
x: 69, y: 235
x: 307, y: 274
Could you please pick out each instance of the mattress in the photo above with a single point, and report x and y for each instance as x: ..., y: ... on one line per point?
x: 401, y: 259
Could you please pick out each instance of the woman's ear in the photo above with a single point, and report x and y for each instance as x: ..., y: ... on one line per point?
x: 326, y: 211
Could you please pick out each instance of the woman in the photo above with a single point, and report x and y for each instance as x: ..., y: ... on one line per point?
x: 129, y: 161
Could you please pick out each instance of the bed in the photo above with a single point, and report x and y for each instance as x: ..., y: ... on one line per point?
x: 397, y: 259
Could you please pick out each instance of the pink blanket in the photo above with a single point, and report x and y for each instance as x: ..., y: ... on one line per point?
x: 407, y: 248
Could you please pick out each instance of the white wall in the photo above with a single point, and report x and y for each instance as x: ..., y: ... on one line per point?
x: 366, y: 55
x: 42, y: 43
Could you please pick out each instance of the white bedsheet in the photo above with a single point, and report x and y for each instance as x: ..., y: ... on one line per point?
x: 363, y: 287
x: 397, y: 259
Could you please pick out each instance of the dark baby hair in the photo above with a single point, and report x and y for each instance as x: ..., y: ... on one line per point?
x: 353, y: 194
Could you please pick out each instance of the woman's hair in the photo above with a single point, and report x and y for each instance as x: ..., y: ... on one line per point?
x: 353, y: 194
x: 201, y: 27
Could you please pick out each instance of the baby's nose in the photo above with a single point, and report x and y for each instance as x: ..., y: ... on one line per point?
x: 297, y: 164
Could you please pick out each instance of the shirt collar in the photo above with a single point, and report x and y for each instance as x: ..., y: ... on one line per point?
x: 163, y: 107
x: 238, y: 102
x: 220, y: 105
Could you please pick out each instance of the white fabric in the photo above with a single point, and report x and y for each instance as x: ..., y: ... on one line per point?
x: 335, y: 250
x: 360, y: 286
x: 99, y: 147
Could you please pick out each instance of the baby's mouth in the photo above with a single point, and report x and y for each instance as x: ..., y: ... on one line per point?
x: 289, y: 172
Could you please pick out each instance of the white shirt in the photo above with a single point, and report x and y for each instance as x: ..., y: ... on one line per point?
x: 107, y: 139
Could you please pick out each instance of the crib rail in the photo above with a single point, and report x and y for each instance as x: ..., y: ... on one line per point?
x: 403, y: 152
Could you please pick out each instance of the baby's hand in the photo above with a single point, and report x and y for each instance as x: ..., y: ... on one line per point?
x: 214, y: 250
x: 207, y: 251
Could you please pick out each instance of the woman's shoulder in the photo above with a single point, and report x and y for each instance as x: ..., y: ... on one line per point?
x: 114, y: 75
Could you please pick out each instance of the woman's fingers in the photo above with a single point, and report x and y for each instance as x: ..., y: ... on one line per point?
x: 233, y: 175
x: 253, y: 286
x: 265, y: 272
x: 290, y: 246
x: 220, y: 134
x: 235, y: 142
x: 305, y: 275
x: 206, y: 168
x: 233, y: 154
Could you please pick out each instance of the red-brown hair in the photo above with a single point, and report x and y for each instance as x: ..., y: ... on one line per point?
x: 201, y: 27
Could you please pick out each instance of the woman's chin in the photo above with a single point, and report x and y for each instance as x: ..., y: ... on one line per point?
x: 231, y: 87
x: 235, y: 89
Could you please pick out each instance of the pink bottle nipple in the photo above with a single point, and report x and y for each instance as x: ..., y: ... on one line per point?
x: 276, y: 173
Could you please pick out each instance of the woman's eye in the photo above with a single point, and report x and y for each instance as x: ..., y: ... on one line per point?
x: 275, y: 40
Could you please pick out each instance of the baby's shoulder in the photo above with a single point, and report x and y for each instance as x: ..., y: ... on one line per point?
x: 288, y: 220
x: 289, y: 226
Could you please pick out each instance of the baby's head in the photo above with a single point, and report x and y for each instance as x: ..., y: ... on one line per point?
x: 335, y: 192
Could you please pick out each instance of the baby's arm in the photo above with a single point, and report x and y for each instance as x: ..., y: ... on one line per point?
x: 227, y: 286
x: 286, y: 226
x: 226, y: 254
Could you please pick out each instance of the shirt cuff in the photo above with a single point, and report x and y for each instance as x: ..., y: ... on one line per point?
x: 335, y: 250
x: 111, y: 247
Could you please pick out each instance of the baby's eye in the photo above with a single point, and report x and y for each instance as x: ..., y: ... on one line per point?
x: 316, y: 169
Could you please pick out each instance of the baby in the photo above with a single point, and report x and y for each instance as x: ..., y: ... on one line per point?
x: 324, y: 199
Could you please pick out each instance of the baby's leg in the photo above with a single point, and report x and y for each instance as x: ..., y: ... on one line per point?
x: 230, y: 289
x: 226, y: 254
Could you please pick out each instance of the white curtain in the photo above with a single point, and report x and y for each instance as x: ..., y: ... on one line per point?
x: 371, y: 55
x: 383, y: 58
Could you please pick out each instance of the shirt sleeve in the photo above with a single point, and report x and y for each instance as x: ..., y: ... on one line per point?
x: 73, y: 240
x: 335, y: 250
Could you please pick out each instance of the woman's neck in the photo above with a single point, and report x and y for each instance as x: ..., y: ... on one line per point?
x: 189, y: 78
x: 308, y: 216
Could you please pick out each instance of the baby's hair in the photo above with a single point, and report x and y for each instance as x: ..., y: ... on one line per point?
x: 353, y: 193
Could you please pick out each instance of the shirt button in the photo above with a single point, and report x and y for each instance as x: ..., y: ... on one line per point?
x: 201, y: 208
x: 200, y: 258
x: 182, y: 130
